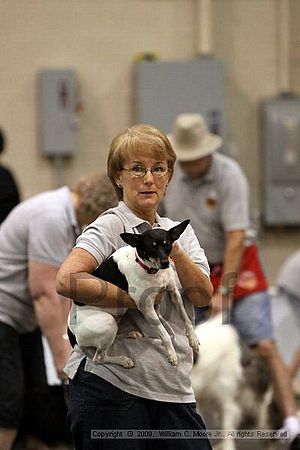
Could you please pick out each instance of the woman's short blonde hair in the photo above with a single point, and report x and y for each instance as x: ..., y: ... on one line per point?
x: 133, y: 141
x: 95, y: 195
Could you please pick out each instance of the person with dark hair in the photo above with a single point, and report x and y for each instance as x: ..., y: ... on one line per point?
x: 9, y: 191
x: 35, y: 239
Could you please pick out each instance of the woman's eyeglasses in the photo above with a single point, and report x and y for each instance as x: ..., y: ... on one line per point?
x: 139, y: 170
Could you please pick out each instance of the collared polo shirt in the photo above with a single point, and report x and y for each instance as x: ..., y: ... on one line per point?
x: 43, y: 229
x: 215, y: 203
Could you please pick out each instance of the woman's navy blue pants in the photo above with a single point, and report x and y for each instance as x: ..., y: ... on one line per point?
x: 96, y: 405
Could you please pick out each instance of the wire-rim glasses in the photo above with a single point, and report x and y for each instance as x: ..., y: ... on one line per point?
x: 139, y: 170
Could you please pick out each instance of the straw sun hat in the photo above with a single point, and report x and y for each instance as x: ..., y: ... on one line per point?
x: 191, y: 138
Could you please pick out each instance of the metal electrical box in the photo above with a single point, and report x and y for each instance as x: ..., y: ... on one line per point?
x: 281, y: 160
x: 58, y: 114
x: 165, y: 89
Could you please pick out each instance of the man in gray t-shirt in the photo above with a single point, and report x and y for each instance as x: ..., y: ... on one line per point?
x: 35, y: 239
x: 212, y: 191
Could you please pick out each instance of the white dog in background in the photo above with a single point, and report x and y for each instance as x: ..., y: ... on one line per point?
x: 230, y: 381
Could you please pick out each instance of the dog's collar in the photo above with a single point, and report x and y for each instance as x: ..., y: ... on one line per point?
x: 149, y: 270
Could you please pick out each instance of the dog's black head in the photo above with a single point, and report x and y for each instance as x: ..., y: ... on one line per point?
x: 155, y: 245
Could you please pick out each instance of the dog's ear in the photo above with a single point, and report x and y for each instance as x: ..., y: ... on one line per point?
x: 131, y: 238
x: 176, y: 231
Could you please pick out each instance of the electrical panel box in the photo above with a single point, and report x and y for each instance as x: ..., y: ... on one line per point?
x: 281, y: 160
x: 58, y: 112
x: 165, y: 89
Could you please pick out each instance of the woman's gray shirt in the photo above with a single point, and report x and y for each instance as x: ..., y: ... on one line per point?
x: 152, y: 377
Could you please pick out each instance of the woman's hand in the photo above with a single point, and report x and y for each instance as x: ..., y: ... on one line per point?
x: 176, y: 252
x: 196, y: 284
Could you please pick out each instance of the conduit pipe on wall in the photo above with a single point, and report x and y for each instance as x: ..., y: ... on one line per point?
x: 283, y: 44
x: 203, y: 34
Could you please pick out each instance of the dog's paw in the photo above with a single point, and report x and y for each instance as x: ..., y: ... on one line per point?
x: 127, y: 363
x: 194, y: 343
x: 192, y: 338
x: 172, y: 358
x: 96, y: 358
x: 134, y: 334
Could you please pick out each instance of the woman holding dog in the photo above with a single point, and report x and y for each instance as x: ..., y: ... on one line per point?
x: 153, y: 395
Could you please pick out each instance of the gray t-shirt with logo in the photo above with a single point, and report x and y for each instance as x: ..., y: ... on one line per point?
x: 216, y: 203
x: 152, y: 377
x: 42, y: 229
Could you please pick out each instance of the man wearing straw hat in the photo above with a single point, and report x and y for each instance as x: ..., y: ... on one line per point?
x: 211, y: 189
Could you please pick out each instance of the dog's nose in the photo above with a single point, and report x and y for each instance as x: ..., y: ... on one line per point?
x: 164, y: 264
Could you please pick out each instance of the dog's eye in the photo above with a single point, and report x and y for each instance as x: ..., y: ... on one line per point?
x: 154, y: 244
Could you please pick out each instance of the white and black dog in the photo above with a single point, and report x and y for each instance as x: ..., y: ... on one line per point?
x: 143, y: 269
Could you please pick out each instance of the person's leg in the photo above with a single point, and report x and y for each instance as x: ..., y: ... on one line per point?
x: 178, y: 416
x: 11, y: 386
x: 252, y: 318
x: 95, y: 406
x: 7, y: 438
x: 294, y: 365
x: 281, y: 381
x: 33, y: 360
x: 40, y: 419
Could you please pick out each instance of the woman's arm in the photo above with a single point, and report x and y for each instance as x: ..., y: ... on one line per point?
x: 74, y: 280
x: 197, y: 286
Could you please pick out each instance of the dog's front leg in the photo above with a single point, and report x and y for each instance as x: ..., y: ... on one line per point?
x: 152, y: 318
x: 148, y: 311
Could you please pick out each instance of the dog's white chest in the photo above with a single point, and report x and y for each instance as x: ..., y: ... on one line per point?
x: 142, y: 284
